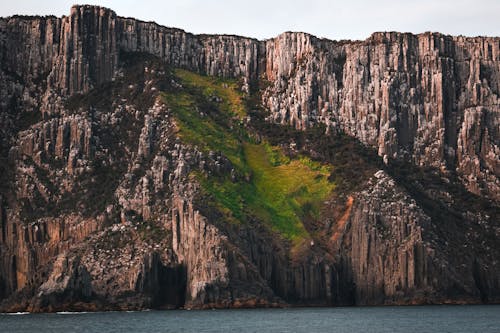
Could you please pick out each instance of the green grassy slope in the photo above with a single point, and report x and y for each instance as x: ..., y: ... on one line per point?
x: 269, y: 186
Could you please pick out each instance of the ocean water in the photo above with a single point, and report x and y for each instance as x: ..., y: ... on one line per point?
x: 483, y: 319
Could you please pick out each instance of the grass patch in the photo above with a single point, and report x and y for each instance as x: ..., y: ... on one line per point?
x: 270, y: 187
x: 226, y: 90
x: 293, y: 189
x: 198, y: 127
x: 282, y: 196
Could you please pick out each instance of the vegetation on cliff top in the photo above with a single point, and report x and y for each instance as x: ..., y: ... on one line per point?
x: 265, y: 184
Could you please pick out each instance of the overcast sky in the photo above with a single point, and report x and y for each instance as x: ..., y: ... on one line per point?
x: 347, y: 19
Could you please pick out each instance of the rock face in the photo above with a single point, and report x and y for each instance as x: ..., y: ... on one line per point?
x: 392, y: 248
x: 408, y: 96
x: 225, y: 56
x: 385, y: 244
x: 100, y: 207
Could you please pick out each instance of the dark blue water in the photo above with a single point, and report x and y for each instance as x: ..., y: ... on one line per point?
x: 483, y: 319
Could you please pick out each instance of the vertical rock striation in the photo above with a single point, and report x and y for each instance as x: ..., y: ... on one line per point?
x: 225, y: 56
x: 87, y: 50
x: 406, y: 95
x: 98, y: 203
x: 199, y: 245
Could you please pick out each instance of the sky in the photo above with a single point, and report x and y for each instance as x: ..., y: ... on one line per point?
x: 333, y: 19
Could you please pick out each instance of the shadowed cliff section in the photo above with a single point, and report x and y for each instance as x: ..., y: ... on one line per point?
x: 143, y: 166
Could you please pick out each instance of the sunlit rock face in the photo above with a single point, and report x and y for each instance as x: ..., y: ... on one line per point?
x: 104, y: 201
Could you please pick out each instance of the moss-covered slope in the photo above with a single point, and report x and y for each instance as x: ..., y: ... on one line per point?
x: 264, y: 183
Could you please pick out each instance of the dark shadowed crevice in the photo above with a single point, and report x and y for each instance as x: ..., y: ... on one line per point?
x: 479, y: 281
x: 165, y: 284
x: 172, y: 287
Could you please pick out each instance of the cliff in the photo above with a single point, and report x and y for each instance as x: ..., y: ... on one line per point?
x: 415, y: 97
x: 143, y: 166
